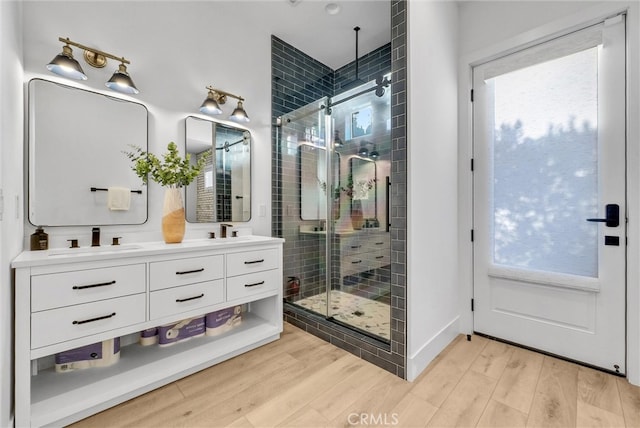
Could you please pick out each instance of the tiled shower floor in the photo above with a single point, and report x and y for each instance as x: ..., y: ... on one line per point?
x: 365, y: 314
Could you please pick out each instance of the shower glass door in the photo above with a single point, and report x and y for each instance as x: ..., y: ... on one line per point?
x: 336, y: 159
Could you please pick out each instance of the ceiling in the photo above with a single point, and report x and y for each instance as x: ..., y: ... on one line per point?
x: 330, y: 39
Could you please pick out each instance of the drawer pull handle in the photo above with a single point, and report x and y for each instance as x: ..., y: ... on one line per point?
x: 356, y: 262
x: 190, y: 271
x: 101, y: 284
x: 190, y: 298
x: 254, y: 284
x: 379, y: 257
x: 253, y: 262
x: 379, y: 243
x: 104, y: 317
x: 356, y: 246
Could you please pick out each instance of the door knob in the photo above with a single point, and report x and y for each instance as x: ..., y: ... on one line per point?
x: 612, y: 212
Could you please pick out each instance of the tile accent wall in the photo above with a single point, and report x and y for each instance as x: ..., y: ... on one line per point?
x: 370, y: 66
x: 298, y: 80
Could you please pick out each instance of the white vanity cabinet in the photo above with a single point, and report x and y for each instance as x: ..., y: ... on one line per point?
x: 67, y: 299
x: 362, y: 251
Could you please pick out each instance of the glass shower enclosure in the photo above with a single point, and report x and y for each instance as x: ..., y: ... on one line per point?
x: 336, y: 164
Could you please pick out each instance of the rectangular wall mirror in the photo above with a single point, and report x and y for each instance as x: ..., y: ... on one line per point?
x: 222, y: 191
x: 76, y: 143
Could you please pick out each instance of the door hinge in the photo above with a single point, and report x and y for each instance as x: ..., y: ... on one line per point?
x: 471, y: 96
x: 471, y: 235
x: 471, y: 164
x: 472, y: 305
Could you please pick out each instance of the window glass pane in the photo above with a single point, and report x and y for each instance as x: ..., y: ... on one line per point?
x: 545, y: 165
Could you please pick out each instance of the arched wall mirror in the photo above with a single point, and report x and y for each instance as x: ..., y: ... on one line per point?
x: 76, y: 140
x: 222, y: 191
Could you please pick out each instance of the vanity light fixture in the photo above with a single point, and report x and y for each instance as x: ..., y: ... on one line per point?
x: 65, y: 65
x: 215, y: 97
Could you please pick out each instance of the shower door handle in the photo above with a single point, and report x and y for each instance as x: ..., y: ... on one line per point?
x: 388, y: 203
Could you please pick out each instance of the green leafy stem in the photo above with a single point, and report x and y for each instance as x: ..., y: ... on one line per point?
x: 172, y: 170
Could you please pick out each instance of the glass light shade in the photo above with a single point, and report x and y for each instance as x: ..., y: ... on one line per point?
x: 210, y: 105
x: 121, y: 82
x: 239, y: 115
x: 64, y: 65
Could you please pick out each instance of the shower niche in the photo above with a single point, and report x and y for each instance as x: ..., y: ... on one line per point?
x: 336, y: 164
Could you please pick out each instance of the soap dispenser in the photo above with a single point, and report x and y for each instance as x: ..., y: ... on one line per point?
x: 39, y: 240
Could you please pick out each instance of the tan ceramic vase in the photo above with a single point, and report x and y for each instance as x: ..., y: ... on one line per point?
x: 357, y: 218
x: 173, y: 222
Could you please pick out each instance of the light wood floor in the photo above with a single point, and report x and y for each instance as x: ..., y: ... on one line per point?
x: 302, y: 381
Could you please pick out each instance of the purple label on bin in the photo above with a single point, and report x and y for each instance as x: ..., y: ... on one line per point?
x: 150, y: 332
x: 218, y: 318
x: 84, y: 353
x: 181, y: 330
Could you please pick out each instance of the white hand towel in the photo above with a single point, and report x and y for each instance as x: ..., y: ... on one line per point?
x: 118, y: 198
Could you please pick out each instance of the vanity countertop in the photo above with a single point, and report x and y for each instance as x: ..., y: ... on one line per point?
x: 110, y: 252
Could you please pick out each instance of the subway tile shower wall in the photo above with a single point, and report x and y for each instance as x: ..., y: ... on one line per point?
x: 298, y: 80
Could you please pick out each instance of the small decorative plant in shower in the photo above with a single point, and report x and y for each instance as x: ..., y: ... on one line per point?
x: 335, y: 205
x: 172, y: 172
x: 357, y: 191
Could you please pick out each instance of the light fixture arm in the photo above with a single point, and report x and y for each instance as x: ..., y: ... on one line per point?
x: 96, y: 52
x: 221, y: 96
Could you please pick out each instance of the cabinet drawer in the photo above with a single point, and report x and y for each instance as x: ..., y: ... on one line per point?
x: 172, y: 273
x: 181, y: 299
x: 252, y: 261
x: 379, y: 243
x: 82, y: 286
x: 253, y: 283
x: 351, y: 246
x: 380, y: 258
x: 58, y: 325
x: 354, y: 264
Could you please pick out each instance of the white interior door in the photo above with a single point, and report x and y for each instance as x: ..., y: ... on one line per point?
x: 549, y: 155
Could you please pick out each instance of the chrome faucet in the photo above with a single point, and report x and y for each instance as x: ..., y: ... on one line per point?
x: 95, y: 237
x: 223, y: 229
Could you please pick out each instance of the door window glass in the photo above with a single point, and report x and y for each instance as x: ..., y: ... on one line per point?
x: 545, y: 169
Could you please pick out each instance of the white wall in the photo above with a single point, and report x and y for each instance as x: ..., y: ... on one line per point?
x: 432, y: 292
x: 175, y: 49
x: 11, y: 155
x: 489, y: 28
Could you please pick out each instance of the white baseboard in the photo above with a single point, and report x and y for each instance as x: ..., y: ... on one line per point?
x: 420, y: 359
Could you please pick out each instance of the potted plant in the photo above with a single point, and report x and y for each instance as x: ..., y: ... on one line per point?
x: 172, y: 172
